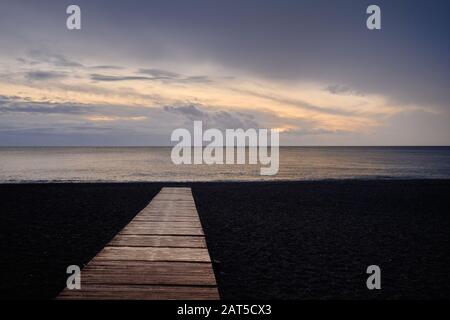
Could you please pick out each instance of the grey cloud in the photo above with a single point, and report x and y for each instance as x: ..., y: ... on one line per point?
x: 60, y: 60
x: 5, y: 99
x: 41, y: 108
x: 152, y: 74
x: 197, y: 79
x: 160, y: 74
x: 155, y: 75
x: 123, y: 91
x: 14, y: 105
x: 101, y: 77
x: 234, y: 120
x: 190, y: 111
x: 44, y: 75
x: 342, y: 89
x: 26, y: 61
x: 55, y: 59
x: 107, y: 67
x: 214, y: 118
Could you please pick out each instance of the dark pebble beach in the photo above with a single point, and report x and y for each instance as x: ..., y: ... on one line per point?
x: 280, y: 240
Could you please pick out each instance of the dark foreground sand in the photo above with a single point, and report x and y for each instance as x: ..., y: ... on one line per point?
x: 315, y: 239
x: 298, y: 240
x: 46, y: 227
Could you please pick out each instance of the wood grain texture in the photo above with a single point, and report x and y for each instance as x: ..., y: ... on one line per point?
x: 154, y: 254
x: 160, y: 254
x: 155, y: 273
x: 141, y: 292
x: 165, y: 225
x: 159, y: 241
x: 163, y: 231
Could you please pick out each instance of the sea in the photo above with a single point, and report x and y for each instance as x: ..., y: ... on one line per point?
x: 154, y: 164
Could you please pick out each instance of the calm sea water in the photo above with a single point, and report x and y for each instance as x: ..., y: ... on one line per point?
x: 154, y: 164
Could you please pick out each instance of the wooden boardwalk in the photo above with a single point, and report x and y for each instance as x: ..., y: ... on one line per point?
x: 160, y: 254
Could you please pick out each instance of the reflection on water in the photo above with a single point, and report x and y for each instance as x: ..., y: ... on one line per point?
x: 154, y: 164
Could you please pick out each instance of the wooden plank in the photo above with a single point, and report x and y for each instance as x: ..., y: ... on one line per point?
x: 142, y: 292
x: 160, y: 254
x: 154, y: 254
x: 156, y: 273
x: 164, y: 219
x: 159, y: 241
x: 169, y: 201
x: 162, y: 210
x: 174, y: 215
x: 187, y: 211
x: 165, y: 225
x: 165, y: 231
x: 179, y: 210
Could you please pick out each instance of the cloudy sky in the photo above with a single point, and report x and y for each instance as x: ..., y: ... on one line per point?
x: 139, y: 69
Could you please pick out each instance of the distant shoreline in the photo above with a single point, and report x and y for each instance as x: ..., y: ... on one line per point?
x: 214, y: 182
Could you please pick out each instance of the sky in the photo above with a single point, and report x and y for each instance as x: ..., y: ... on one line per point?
x: 137, y: 70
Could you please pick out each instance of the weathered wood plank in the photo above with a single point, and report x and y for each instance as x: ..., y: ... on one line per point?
x: 164, y: 225
x: 161, y: 208
x: 165, y: 231
x: 188, y: 211
x: 159, y: 241
x: 174, y: 215
x: 156, y: 273
x: 154, y: 254
x: 141, y: 292
x: 165, y: 219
